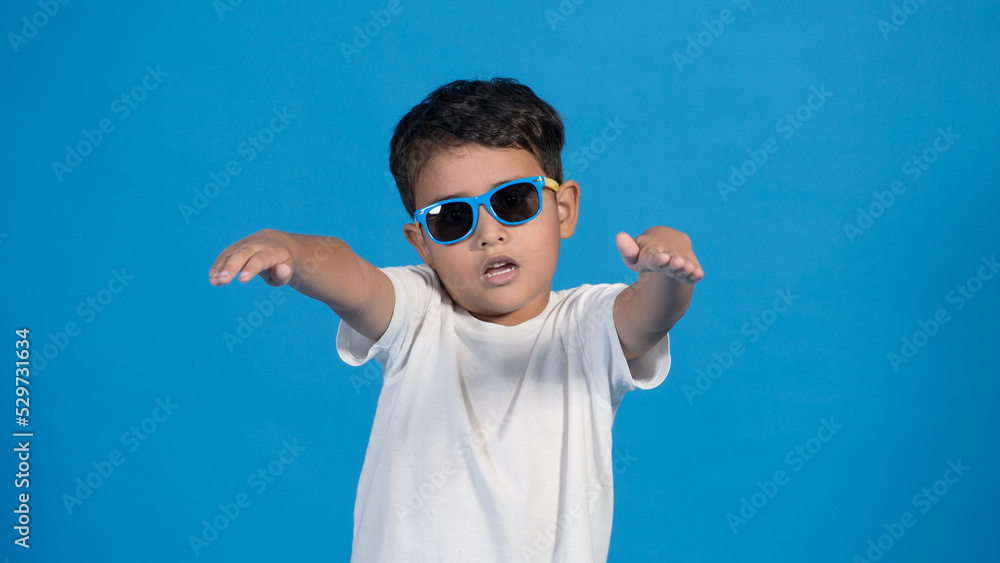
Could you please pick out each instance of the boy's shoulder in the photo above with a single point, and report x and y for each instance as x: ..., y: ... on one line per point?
x: 421, y: 269
x: 590, y: 298
x: 414, y: 275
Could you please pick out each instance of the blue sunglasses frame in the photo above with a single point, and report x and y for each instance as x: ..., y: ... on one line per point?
x: 540, y: 182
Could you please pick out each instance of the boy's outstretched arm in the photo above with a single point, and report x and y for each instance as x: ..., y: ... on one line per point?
x: 646, y: 310
x: 323, y: 268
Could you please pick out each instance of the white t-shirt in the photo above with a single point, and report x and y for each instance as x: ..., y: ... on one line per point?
x: 492, y: 443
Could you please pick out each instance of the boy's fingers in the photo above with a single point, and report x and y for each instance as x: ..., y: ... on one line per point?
x: 222, y: 261
x: 628, y: 248
x: 682, y: 264
x: 228, y: 264
x: 257, y: 263
x: 219, y: 274
x: 663, y: 259
x: 678, y: 262
x: 278, y: 275
x: 678, y: 267
x: 692, y: 277
x: 250, y: 256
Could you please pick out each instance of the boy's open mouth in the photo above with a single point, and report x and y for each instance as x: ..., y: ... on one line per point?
x: 497, y: 266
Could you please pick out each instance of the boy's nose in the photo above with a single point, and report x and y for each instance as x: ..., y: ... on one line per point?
x: 488, y: 229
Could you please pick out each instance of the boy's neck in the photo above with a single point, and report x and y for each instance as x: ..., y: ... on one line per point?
x: 526, y: 313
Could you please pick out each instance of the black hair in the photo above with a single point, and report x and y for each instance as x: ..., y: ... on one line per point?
x: 499, y: 113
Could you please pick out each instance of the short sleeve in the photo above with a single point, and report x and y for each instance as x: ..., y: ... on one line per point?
x: 414, y: 287
x: 602, y: 349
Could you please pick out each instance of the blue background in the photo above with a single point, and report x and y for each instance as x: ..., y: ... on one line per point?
x: 693, y: 456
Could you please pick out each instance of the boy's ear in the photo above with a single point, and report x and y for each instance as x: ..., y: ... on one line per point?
x: 415, y: 236
x: 568, y: 200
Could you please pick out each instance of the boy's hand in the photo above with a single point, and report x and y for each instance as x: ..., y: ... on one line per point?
x: 267, y: 252
x: 661, y: 249
x: 324, y: 268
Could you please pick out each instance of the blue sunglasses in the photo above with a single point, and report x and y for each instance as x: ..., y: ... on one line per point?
x: 513, y: 203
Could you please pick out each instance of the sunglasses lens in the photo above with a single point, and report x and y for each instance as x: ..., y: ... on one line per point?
x: 450, y: 221
x: 516, y: 203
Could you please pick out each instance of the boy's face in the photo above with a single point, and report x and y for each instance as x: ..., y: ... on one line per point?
x: 533, y: 247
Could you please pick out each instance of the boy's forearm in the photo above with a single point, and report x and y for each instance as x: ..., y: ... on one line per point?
x: 328, y: 270
x: 658, y: 301
x: 652, y: 305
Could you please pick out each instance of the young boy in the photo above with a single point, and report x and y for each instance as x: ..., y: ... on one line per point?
x: 492, y: 435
